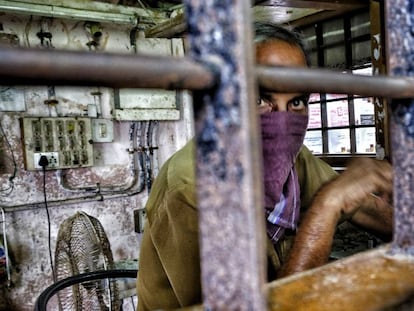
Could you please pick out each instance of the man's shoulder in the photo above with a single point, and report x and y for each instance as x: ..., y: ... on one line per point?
x: 306, y: 157
x: 181, y: 165
x: 304, y: 152
x: 312, y: 172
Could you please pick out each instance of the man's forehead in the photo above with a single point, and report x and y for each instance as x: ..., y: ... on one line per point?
x: 280, y: 53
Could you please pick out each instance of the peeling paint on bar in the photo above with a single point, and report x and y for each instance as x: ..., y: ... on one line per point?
x: 400, y: 26
x: 228, y: 185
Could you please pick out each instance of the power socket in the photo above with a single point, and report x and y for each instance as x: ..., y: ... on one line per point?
x: 140, y: 218
x: 65, y: 141
x: 52, y: 158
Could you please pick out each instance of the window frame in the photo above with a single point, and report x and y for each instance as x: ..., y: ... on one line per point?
x: 336, y: 160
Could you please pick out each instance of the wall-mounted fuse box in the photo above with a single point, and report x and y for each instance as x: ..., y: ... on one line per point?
x: 150, y: 104
x: 66, y: 142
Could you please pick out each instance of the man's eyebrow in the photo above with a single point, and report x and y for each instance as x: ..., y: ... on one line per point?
x: 264, y: 91
x: 302, y: 96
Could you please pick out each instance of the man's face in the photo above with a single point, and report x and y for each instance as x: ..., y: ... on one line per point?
x: 281, y: 53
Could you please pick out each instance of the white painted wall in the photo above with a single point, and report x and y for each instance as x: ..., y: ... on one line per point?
x: 26, y: 221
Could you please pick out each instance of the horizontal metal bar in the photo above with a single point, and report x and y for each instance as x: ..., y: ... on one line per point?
x: 58, y: 12
x: 19, y: 66
x: 328, y: 81
x: 316, y: 4
x: 370, y: 280
x: 45, y: 67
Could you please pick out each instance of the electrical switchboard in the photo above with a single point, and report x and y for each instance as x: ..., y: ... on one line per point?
x: 66, y: 142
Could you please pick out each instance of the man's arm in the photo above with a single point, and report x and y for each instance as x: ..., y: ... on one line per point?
x: 347, y: 197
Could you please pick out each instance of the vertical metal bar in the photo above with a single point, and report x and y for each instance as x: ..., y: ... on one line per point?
x: 377, y: 19
x: 400, y: 44
x: 229, y: 184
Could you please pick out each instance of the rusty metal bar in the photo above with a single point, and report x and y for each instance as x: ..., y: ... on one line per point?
x: 328, y: 81
x: 44, y: 67
x: 400, y: 45
x: 369, y: 280
x: 228, y: 168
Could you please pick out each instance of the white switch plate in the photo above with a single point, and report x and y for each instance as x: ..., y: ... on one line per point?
x: 52, y: 157
x: 102, y: 131
x: 66, y: 141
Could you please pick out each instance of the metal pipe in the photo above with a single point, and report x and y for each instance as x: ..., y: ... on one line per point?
x: 168, y: 29
x: 400, y: 63
x: 83, y: 11
x: 43, y: 67
x: 328, y: 81
x: 228, y: 165
x: 94, y: 197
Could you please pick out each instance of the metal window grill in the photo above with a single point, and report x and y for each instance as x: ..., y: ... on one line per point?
x: 221, y: 72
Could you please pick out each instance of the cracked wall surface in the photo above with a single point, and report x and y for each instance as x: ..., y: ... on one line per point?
x: 110, y: 190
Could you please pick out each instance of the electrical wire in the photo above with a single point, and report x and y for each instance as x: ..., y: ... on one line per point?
x: 154, y: 148
x: 146, y: 154
x: 6, y: 250
x: 48, y: 224
x: 133, y: 303
x: 11, y: 178
x: 143, y: 6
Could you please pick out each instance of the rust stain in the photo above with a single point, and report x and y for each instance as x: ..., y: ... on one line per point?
x: 369, y: 281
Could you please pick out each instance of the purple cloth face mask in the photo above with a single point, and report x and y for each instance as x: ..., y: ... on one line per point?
x: 282, y: 138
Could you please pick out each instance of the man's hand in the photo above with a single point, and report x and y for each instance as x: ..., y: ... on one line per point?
x: 364, y: 180
x: 352, y: 195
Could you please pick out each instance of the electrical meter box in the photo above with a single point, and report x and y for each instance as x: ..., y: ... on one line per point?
x: 150, y: 104
x: 66, y: 142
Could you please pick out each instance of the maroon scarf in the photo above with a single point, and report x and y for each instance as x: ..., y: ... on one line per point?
x: 282, y: 137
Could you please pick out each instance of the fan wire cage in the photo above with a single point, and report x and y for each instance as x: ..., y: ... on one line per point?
x: 82, y: 246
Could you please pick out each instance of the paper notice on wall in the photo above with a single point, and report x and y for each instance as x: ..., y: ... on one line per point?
x: 12, y: 99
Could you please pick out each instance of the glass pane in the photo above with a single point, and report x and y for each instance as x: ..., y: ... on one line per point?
x: 367, y: 71
x: 361, y: 52
x: 314, y: 116
x: 313, y: 140
x: 339, y: 141
x: 364, y: 111
x: 330, y: 97
x: 337, y: 113
x: 365, y: 140
x: 333, y: 31
x: 314, y: 59
x: 314, y: 97
x: 335, y: 57
x: 310, y: 37
x: 360, y: 25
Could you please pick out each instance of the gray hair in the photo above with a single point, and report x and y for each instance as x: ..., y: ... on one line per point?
x: 266, y: 31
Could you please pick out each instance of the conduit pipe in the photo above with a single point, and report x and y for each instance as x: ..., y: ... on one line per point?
x: 23, y: 66
x: 43, y: 67
x: 135, y: 171
x: 83, y: 10
x: 136, y: 186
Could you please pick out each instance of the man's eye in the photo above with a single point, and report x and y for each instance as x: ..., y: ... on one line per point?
x: 299, y: 103
x: 263, y: 101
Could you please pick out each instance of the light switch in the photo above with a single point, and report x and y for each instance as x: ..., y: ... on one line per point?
x: 102, y: 131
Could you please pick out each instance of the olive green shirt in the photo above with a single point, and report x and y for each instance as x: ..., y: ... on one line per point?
x: 169, y: 262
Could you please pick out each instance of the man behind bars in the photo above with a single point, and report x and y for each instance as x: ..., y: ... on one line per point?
x: 169, y: 262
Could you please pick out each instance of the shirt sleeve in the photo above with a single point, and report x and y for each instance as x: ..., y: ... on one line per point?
x: 169, y: 272
x: 312, y: 174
